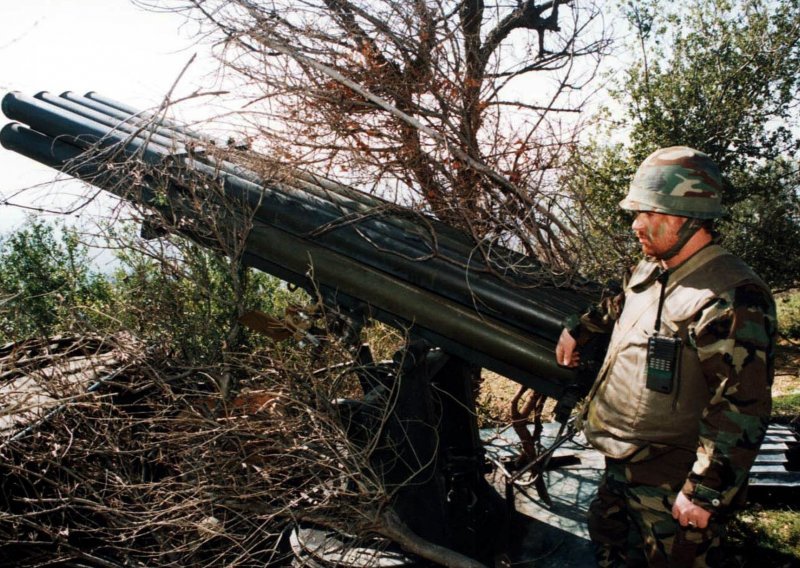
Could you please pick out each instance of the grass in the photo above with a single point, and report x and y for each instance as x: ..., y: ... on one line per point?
x: 786, y: 408
x: 769, y: 534
x: 761, y: 536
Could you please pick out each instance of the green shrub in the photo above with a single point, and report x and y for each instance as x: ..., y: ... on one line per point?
x: 47, y: 283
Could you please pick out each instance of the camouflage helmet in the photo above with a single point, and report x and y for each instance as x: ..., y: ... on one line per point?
x: 676, y: 181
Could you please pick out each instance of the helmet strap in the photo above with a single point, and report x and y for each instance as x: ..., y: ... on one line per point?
x: 686, y: 232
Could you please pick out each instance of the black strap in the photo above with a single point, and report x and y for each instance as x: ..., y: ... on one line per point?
x: 689, y: 227
x: 663, y: 277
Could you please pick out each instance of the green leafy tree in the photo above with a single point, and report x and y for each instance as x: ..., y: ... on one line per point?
x: 764, y: 226
x: 47, y: 285
x: 597, y: 177
x: 719, y: 75
x: 723, y: 77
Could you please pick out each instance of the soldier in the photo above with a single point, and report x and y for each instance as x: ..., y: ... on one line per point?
x: 682, y: 401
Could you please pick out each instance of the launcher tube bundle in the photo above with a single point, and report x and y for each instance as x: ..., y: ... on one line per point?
x: 363, y: 253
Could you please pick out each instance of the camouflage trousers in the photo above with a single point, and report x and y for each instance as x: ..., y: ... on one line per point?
x: 630, y: 520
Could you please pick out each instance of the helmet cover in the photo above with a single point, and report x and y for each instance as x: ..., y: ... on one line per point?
x: 676, y: 181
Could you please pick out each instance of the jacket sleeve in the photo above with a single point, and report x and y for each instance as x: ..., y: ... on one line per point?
x: 735, y: 341
x: 599, y: 318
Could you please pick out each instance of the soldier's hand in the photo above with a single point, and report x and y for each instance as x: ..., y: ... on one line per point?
x: 566, y: 350
x: 688, y: 514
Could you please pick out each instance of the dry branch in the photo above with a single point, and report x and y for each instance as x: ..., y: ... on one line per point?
x: 155, y: 467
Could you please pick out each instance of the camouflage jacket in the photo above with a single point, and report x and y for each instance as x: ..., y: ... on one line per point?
x: 732, y: 337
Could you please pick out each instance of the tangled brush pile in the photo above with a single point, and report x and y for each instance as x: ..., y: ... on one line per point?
x: 114, y: 455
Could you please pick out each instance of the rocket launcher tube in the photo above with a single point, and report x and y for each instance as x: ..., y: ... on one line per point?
x: 302, y: 214
x: 482, y: 292
x: 450, y: 244
x: 141, y: 119
x: 374, y: 240
x: 126, y: 125
x: 111, y: 128
x: 343, y: 196
x: 151, y: 115
x: 485, y: 341
x: 77, y: 130
x: 412, y: 304
x: 354, y: 201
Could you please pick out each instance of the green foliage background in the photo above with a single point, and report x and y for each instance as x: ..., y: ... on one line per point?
x: 47, y: 285
x: 169, y: 292
x: 722, y: 77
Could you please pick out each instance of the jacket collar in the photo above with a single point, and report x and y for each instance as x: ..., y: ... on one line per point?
x: 648, y: 270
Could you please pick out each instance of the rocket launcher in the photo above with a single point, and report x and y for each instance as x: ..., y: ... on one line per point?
x: 364, y: 255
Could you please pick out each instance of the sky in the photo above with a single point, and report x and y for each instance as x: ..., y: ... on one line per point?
x: 109, y: 46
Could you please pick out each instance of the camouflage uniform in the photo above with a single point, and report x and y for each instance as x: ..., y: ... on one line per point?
x: 728, y: 353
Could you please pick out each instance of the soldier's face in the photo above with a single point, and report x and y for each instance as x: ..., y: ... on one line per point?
x: 657, y: 232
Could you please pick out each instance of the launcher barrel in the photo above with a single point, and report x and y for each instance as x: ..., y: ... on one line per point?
x: 407, y: 269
